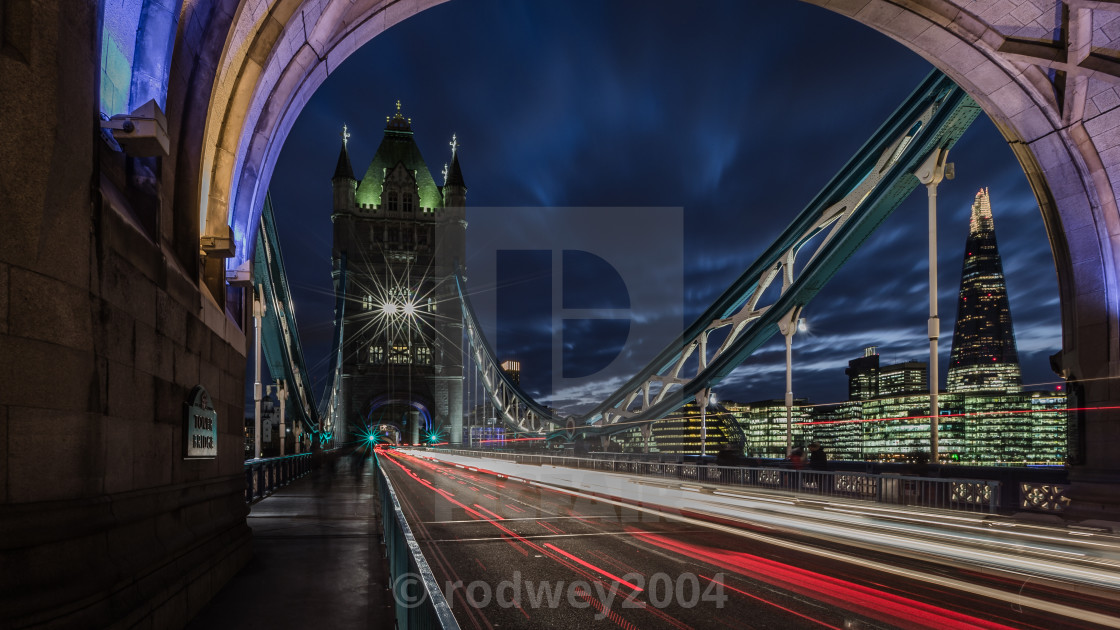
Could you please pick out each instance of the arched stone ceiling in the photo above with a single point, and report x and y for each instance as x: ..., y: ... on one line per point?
x: 276, y: 56
x: 1045, y: 72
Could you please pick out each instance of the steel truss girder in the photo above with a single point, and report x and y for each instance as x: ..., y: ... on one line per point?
x: 845, y: 212
x: 866, y: 190
x: 279, y: 335
x: 333, y: 404
x: 515, y: 408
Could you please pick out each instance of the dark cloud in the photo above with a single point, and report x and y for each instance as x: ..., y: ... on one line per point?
x: 737, y: 112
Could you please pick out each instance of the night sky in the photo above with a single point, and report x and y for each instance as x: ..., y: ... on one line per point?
x: 736, y: 113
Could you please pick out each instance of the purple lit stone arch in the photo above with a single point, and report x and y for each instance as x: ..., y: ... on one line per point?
x: 387, y: 400
x: 264, y: 60
x: 274, y: 60
x: 1063, y: 133
x: 137, y: 42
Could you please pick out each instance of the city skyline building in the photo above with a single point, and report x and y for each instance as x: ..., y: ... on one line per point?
x: 763, y: 424
x: 985, y: 417
x: 512, y: 369
x: 976, y: 427
x: 867, y: 379
x: 863, y: 375
x: 683, y: 431
x: 984, y: 356
x: 908, y: 377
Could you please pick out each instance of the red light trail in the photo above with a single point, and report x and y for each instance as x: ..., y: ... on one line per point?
x: 587, y: 564
x: 863, y: 600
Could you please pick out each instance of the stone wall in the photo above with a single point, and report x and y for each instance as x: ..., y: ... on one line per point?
x: 104, y: 331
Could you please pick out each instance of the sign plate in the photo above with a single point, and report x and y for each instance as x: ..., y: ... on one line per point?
x: 200, y: 426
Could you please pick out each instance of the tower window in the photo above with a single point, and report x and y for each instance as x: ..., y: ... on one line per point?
x: 423, y: 355
x: 407, y: 202
x: 392, y: 201
x: 399, y: 355
x: 377, y: 354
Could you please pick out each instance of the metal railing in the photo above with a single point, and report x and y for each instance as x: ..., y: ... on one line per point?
x: 974, y: 495
x: 1043, y: 497
x: 419, y: 602
x: 264, y: 476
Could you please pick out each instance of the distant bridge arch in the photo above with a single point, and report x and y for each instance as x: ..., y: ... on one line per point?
x: 422, y: 409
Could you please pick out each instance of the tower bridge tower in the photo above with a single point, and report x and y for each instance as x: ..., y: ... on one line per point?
x: 399, y: 236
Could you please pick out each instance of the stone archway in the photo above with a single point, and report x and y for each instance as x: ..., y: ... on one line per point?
x: 1047, y: 78
x: 413, y: 428
x: 1060, y: 125
x: 274, y: 59
x: 105, y: 326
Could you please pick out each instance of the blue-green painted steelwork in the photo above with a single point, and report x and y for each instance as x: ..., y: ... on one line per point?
x: 279, y: 334
x: 934, y: 117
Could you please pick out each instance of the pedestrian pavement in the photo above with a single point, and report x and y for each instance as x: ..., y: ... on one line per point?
x: 317, y: 560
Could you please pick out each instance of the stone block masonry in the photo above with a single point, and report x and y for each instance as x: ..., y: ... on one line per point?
x: 103, y: 333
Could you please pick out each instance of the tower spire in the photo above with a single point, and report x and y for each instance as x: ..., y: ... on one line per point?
x: 981, y: 213
x: 342, y: 169
x: 453, y: 175
x: 398, y: 122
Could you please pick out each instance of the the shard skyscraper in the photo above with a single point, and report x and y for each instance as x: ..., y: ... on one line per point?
x: 984, y: 358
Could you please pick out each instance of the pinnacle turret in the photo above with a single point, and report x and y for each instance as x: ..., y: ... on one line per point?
x: 454, y: 188
x: 398, y: 122
x: 455, y: 174
x: 343, y: 170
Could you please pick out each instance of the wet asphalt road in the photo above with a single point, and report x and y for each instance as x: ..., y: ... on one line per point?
x: 512, y: 554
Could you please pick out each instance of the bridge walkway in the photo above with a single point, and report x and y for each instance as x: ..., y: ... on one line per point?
x: 317, y: 559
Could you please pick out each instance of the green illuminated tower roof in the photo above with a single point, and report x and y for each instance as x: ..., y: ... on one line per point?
x: 984, y: 357
x: 398, y: 147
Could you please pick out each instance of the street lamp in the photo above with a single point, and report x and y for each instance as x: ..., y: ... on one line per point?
x: 788, y: 326
x: 703, y: 398
x: 281, y: 390
x: 930, y: 174
x: 258, y: 315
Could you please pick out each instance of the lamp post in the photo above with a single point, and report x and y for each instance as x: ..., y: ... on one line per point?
x: 258, y: 314
x: 702, y: 400
x: 282, y: 394
x: 788, y: 326
x: 930, y: 174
